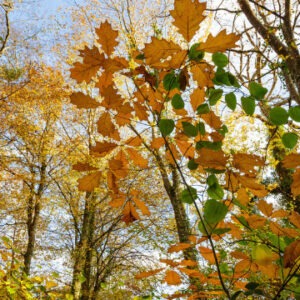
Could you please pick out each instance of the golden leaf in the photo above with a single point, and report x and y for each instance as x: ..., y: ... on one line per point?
x: 239, y: 255
x: 291, y: 161
x: 111, y: 100
x: 187, y: 16
x: 212, y: 120
x: 295, y: 187
x: 280, y: 213
x: 172, y: 278
x: 197, y: 98
x: 242, y: 266
x: 102, y: 148
x: 106, y: 127
x: 219, y: 43
x: 83, y: 101
x: 140, y: 111
x: 92, y: 61
x: 160, y: 49
x: 211, y: 159
x: 185, y: 148
x: 291, y: 254
x: 148, y: 273
x: 134, y: 141
x: 265, y: 207
x: 157, y: 143
x: 255, y: 221
x: 207, y: 253
x: 243, y: 197
x: 50, y: 284
x: 203, y: 73
x: 142, y: 206
x: 107, y: 37
x: 82, y: 167
x: 247, y: 163
x: 118, y: 200
x: 137, y: 158
x: 179, y: 247
x: 89, y: 182
x: 188, y: 263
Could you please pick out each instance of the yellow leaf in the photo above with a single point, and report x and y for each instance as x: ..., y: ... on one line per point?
x: 179, y: 247
x: 148, y: 273
x: 172, y: 278
x: 187, y: 16
x: 219, y: 43
x: 102, y: 148
x: 92, y: 61
x: 265, y: 207
x: 50, y: 284
x: 291, y: 254
x: 89, y: 182
x: 83, y: 101
x: 107, y: 37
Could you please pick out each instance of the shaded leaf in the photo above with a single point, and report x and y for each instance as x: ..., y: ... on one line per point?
x: 231, y: 100
x: 294, y: 113
x: 291, y: 254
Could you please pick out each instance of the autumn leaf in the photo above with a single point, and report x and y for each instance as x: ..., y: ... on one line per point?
x: 106, y: 127
x: 179, y: 247
x: 137, y: 158
x: 265, y: 207
x: 172, y: 278
x: 207, y: 254
x: 83, y: 167
x: 220, y: 43
x: 83, y: 101
x: 187, y: 16
x: 102, y: 148
x: 291, y: 161
x: 247, y: 163
x: 107, y: 37
x: 291, y: 254
x: 89, y: 182
x: 295, y: 219
x: 147, y: 273
x: 197, y: 98
x: 129, y: 214
x: 203, y: 74
x: 211, y: 159
x: 295, y: 187
x: 92, y: 61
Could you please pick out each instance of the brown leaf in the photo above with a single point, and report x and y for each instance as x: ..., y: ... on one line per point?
x: 92, y: 61
x: 291, y: 254
x: 219, y: 43
x: 291, y: 161
x: 83, y: 101
x: 243, y: 197
x: 107, y: 37
x: 254, y: 187
x: 295, y: 219
x: 106, y: 127
x: 157, y: 143
x: 247, y: 163
x: 148, y: 273
x: 83, y: 167
x: 197, y: 98
x: 169, y: 262
x: 172, y: 278
x: 137, y: 158
x: 187, y: 17
x: 295, y: 187
x: 89, y: 182
x: 102, y: 148
x: 265, y: 207
x: 211, y: 159
x: 140, y: 204
x: 212, y: 120
x: 179, y: 247
x: 203, y: 74
x: 129, y: 214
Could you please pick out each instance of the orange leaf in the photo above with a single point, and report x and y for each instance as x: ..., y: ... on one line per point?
x: 140, y: 111
x: 169, y: 262
x: 137, y: 158
x: 102, y: 148
x: 281, y: 231
x: 83, y: 101
x: 83, y: 167
x: 239, y: 255
x: 291, y: 161
x: 212, y: 120
x: 185, y: 148
x: 92, y: 61
x: 107, y: 37
x: 295, y: 187
x: 179, y: 247
x: 118, y: 167
x: 188, y: 263
x: 148, y: 273
x: 129, y: 214
x: 207, y: 254
x: 256, y: 221
x: 243, y: 197
x: 280, y: 213
x: 118, y: 200
x: 134, y: 141
x: 211, y: 159
x: 172, y: 278
x: 89, y: 182
x: 295, y: 218
x: 106, y: 127
x: 265, y: 207
x: 157, y: 143
x: 219, y: 43
x: 247, y: 163
x: 203, y: 74
x: 142, y: 206
x: 251, y: 183
x: 243, y: 266
x: 187, y: 17
x: 197, y: 98
x: 291, y: 254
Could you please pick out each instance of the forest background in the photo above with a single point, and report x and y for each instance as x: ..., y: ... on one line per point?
x: 143, y: 158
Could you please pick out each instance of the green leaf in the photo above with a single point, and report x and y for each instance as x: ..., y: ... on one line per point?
x: 189, y: 129
x: 171, y: 82
x: 234, y: 82
x: 214, y: 211
x: 203, y: 109
x: 278, y: 116
x: 192, y: 165
x: 220, y: 59
x: 223, y: 130
x: 195, y: 54
x: 231, y: 100
x: 166, y: 126
x: 214, y: 96
x: 189, y: 195
x: 235, y: 295
x: 215, y: 191
x: 140, y: 56
x: 221, y: 230
x: 212, y: 179
x: 210, y: 145
x: 257, y: 91
x: 289, y: 140
x: 222, y: 78
x: 248, y: 105
x: 201, y: 128
x: 177, y: 102
x: 251, y: 285
x: 294, y: 113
